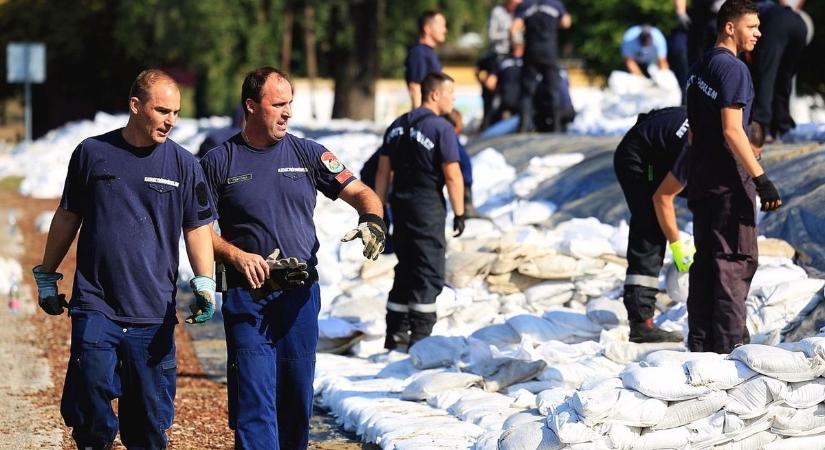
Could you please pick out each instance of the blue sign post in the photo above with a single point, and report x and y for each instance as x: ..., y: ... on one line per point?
x: 26, y: 63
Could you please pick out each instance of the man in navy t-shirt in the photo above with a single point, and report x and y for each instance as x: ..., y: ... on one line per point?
x: 264, y: 183
x: 723, y: 181
x: 535, y: 26
x: 643, y: 158
x: 133, y: 191
x: 421, y: 58
x: 420, y: 156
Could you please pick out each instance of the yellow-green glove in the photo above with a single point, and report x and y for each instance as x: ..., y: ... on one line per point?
x: 682, y: 255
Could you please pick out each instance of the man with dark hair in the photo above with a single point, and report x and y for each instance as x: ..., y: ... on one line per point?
x: 420, y: 156
x: 643, y: 158
x: 723, y: 181
x: 535, y: 26
x: 643, y: 45
x: 133, y: 191
x: 264, y: 182
x: 421, y: 58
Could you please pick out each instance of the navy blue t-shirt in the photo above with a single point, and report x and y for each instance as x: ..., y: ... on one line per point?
x: 541, y: 22
x: 134, y: 202
x: 421, y: 61
x: 508, y: 84
x: 266, y: 197
x: 716, y: 81
x: 416, y: 158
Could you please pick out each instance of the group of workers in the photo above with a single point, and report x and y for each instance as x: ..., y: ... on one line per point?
x: 130, y: 193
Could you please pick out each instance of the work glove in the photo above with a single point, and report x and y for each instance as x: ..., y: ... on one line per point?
x: 373, y: 232
x: 682, y: 255
x: 47, y: 296
x: 458, y: 225
x: 684, y: 20
x: 286, y: 273
x: 203, y: 307
x: 767, y: 193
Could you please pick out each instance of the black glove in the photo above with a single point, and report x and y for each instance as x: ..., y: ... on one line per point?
x: 458, y: 225
x: 684, y: 20
x: 373, y: 233
x: 767, y: 193
x: 286, y: 273
x: 47, y: 297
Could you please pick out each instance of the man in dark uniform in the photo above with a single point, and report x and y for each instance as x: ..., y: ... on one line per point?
x: 421, y: 58
x: 643, y: 158
x: 536, y: 26
x: 505, y: 81
x: 421, y: 154
x: 133, y: 191
x: 264, y: 182
x: 775, y: 61
x: 723, y: 181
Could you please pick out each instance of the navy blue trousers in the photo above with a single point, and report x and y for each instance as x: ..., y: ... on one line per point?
x: 271, y: 346
x: 133, y: 363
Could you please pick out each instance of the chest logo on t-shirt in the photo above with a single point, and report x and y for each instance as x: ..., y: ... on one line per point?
x: 165, y: 181
x: 239, y: 178
x: 331, y: 162
x: 292, y: 169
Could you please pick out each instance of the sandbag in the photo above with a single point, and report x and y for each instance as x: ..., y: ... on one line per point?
x: 677, y: 357
x: 398, y: 369
x: 664, y: 383
x: 682, y: 413
x: 550, y: 399
x: 530, y: 386
x: 550, y: 293
x: 560, y: 352
x: 499, y: 373
x: 569, y: 427
x: 813, y: 442
x: 790, y: 421
x: 677, y: 284
x: 606, y: 312
x: 607, y: 403
x: 437, y: 351
x: 756, y: 441
x: 775, y: 247
x: 487, y: 441
x: 529, y: 436
x: 753, y: 397
x: 500, y: 335
x: 627, y: 352
x: 575, y: 373
x: 804, y: 394
x: 522, y: 417
x: 718, y: 374
x: 659, y: 439
x: 559, y: 267
x: 576, y: 323
x: 778, y: 363
x: 813, y: 347
x: 779, y: 305
x: 462, y: 267
x: 476, y: 400
x: 536, y: 329
x: 431, y: 384
x: 510, y: 283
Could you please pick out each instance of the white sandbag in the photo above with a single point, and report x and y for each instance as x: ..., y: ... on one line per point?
x: 535, y: 328
x: 576, y: 323
x: 756, y: 441
x: 556, y: 292
x: 778, y: 363
x: 569, y: 427
x: 534, y: 387
x: 398, y: 369
x: 478, y: 400
x: 659, y: 439
x: 804, y: 394
x: 529, y: 436
x: 606, y: 312
x: 677, y: 357
x: 500, y: 335
x: 559, y: 267
x: 489, y: 417
x: 547, y: 401
x: 753, y: 397
x: 790, y: 421
x: 777, y: 305
x: 462, y: 267
x: 682, y: 413
x: 664, y: 383
x: 431, y: 384
x: 557, y: 351
x: 487, y: 441
x: 813, y: 346
x: 522, y: 417
x: 607, y: 403
x: 718, y: 374
x: 575, y: 373
x: 499, y: 373
x: 334, y: 328
x: 437, y: 351
x: 814, y: 442
x: 677, y: 284
x: 355, y: 309
x: 445, y: 399
x: 628, y: 352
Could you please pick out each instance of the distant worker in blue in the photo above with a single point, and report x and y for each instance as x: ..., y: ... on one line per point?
x: 644, y: 156
x: 536, y: 26
x: 131, y: 192
x: 723, y: 181
x: 643, y: 46
x: 420, y: 156
x: 264, y: 182
x: 421, y: 57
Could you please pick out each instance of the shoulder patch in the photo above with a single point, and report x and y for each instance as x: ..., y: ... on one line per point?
x: 331, y: 162
x: 343, y: 176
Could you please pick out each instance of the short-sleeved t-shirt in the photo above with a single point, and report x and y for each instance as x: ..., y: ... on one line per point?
x: 416, y: 158
x: 718, y: 80
x: 421, y: 61
x: 508, y: 84
x: 134, y: 203
x: 541, y: 22
x: 266, y: 197
x: 632, y: 45
x: 654, y: 143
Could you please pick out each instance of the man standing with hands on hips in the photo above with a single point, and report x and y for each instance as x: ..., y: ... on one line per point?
x: 264, y: 183
x: 723, y: 181
x: 133, y: 190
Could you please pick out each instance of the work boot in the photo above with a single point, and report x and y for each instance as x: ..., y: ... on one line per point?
x: 642, y: 332
x: 470, y: 210
x: 108, y: 446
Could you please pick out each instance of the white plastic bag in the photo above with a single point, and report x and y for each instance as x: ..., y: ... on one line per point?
x: 779, y: 363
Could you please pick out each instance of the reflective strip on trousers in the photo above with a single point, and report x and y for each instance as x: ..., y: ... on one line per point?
x: 417, y: 307
x: 641, y: 280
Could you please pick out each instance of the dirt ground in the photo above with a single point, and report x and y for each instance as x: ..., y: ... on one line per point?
x: 30, y: 415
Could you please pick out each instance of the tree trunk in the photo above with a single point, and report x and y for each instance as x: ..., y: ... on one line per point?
x: 286, y: 42
x: 357, y: 57
x: 311, y: 54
